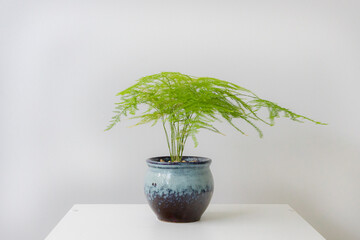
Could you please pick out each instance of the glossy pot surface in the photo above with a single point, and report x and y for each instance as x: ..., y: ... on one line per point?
x: 179, y: 191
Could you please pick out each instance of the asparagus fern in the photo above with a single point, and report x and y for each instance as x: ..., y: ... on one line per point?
x: 185, y: 104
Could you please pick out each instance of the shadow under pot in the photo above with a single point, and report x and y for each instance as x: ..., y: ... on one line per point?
x: 179, y: 191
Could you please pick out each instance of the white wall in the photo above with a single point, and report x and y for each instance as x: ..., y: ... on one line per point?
x: 62, y: 62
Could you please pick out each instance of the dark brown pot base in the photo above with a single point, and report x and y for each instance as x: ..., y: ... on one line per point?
x: 179, y: 221
x: 181, y: 208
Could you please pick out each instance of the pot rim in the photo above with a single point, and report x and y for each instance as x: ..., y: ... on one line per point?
x: 200, y: 161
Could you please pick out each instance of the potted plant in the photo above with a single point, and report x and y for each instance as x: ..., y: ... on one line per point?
x: 179, y: 188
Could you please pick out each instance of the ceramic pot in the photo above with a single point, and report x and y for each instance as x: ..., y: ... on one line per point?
x: 179, y: 191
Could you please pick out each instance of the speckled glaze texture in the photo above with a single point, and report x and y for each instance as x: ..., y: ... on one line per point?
x: 181, y: 191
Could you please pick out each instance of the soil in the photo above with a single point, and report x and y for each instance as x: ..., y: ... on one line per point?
x: 169, y: 161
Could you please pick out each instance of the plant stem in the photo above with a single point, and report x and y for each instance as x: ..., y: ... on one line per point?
x: 173, y: 135
x: 167, y: 137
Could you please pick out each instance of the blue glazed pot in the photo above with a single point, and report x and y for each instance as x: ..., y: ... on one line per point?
x: 179, y: 191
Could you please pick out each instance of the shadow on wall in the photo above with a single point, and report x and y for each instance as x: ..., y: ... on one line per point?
x: 319, y: 178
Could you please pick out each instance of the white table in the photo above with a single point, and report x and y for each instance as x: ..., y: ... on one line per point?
x: 219, y: 222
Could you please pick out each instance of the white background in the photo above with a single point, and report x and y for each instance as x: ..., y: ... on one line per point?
x: 62, y: 62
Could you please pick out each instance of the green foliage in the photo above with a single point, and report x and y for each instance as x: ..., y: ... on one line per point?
x: 186, y: 104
